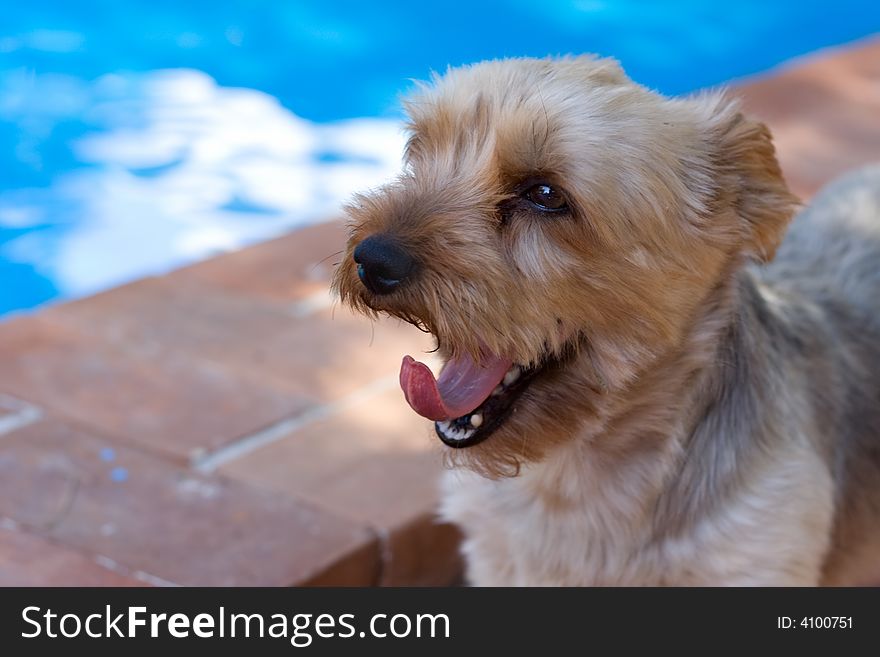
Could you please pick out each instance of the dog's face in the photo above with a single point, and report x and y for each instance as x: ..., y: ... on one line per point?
x: 556, y: 228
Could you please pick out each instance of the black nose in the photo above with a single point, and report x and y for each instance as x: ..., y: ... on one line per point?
x: 383, y: 265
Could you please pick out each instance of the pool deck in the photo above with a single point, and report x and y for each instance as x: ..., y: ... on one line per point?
x: 225, y: 425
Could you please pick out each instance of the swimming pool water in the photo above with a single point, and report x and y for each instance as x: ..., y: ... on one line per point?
x: 138, y: 136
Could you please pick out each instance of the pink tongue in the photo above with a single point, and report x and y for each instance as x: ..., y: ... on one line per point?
x: 463, y: 385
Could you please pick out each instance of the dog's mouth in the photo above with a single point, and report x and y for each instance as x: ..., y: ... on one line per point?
x: 471, y: 399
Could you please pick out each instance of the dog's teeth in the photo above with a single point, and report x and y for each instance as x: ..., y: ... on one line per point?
x: 476, y: 420
x: 498, y: 390
x: 452, y: 431
x: 511, y: 376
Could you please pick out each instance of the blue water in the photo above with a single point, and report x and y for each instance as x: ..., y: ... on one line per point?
x: 138, y: 136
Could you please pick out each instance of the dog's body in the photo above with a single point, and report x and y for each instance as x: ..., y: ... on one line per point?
x: 672, y: 413
x: 769, y: 469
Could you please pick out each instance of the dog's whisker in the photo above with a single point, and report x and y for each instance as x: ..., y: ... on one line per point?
x: 324, y: 259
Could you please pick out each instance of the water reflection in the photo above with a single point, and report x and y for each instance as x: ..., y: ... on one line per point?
x: 162, y: 168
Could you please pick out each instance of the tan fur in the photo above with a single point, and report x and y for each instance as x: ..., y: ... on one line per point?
x: 681, y: 443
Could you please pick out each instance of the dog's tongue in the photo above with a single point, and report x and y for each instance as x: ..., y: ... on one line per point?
x: 463, y: 385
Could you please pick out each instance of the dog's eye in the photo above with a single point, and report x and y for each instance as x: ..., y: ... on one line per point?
x: 546, y: 198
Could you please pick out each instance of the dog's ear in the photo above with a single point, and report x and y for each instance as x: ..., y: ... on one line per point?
x: 601, y: 70
x: 750, y: 182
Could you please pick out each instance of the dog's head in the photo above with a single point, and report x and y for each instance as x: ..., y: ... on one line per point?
x: 556, y: 228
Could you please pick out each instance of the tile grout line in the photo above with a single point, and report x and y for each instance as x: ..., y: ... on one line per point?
x: 116, y: 567
x: 22, y: 415
x: 279, y: 430
x: 100, y: 560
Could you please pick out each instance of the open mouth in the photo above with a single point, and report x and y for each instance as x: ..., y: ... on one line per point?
x: 470, y: 400
x: 476, y: 426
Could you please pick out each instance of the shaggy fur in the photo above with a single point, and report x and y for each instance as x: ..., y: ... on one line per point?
x: 708, y: 420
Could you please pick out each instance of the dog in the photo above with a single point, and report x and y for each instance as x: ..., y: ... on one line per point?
x: 635, y: 390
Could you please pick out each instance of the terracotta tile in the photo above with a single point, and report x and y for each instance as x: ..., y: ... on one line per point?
x: 287, y: 269
x: 361, y: 567
x: 822, y: 110
x: 27, y: 560
x: 343, y: 352
x: 379, y: 437
x: 322, y: 356
x: 424, y: 552
x: 375, y: 462
x: 171, y: 524
x: 168, y: 403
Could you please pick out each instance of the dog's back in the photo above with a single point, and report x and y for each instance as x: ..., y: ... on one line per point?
x: 829, y: 265
x: 832, y: 250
